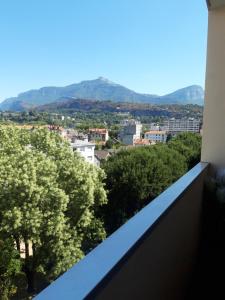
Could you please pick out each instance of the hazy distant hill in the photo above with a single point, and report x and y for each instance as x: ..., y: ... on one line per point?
x: 71, y: 105
x: 190, y: 95
x: 100, y: 89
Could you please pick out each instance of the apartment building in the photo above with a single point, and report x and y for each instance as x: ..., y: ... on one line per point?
x: 175, y: 126
x: 130, y: 132
x: 86, y: 150
x: 98, y: 135
x: 156, y: 136
x: 154, y: 126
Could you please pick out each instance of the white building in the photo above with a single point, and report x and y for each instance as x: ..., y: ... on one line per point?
x: 154, y: 126
x: 130, y: 132
x: 86, y: 149
x: 156, y: 136
x: 175, y: 126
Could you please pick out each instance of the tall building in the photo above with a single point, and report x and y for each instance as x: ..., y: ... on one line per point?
x: 175, y: 126
x: 130, y: 132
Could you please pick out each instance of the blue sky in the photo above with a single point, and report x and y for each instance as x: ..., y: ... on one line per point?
x: 147, y: 45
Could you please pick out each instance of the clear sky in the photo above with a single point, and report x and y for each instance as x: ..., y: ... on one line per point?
x: 150, y: 46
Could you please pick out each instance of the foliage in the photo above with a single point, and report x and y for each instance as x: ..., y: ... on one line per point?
x: 189, y: 145
x: 135, y: 177
x: 48, y: 198
x: 10, y: 268
x: 51, y: 200
x: 109, y: 144
x: 86, y: 114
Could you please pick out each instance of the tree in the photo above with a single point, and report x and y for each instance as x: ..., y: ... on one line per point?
x: 169, y: 137
x: 48, y: 199
x: 135, y: 177
x: 10, y: 268
x: 189, y: 145
x: 109, y: 144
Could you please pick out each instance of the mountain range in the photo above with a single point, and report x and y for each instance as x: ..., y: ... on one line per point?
x: 99, y: 89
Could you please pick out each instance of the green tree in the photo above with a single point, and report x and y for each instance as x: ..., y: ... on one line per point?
x: 48, y: 199
x: 169, y: 137
x: 189, y: 145
x: 109, y: 144
x: 10, y: 268
x: 137, y: 176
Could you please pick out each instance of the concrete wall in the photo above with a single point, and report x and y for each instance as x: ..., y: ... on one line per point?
x: 162, y: 265
x: 215, y: 3
x: 213, y: 148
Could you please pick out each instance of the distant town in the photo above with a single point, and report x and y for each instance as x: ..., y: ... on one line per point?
x: 97, y: 144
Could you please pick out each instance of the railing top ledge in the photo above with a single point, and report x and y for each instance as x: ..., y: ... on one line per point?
x: 88, y: 274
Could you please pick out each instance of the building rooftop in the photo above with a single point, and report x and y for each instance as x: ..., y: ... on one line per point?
x: 102, y: 154
x: 81, y: 143
x: 156, y: 132
x: 98, y: 130
x: 141, y: 142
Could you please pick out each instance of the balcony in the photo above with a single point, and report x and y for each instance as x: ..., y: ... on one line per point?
x: 172, y: 248
x: 152, y: 256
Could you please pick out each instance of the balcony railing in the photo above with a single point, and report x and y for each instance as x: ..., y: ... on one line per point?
x: 150, y: 257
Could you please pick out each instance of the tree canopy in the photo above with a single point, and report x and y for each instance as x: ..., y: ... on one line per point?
x: 10, y: 268
x: 189, y: 145
x: 48, y: 199
x: 136, y: 176
x: 53, y: 205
